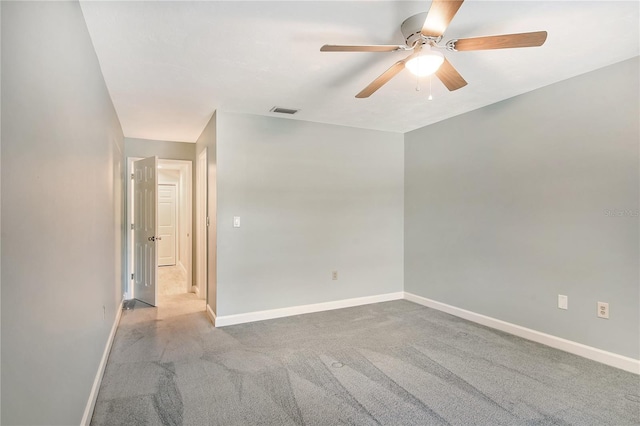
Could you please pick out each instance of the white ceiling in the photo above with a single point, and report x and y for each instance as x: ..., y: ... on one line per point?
x: 169, y: 65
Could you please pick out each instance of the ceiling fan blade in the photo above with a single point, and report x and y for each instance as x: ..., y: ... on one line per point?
x: 362, y: 48
x: 440, y: 15
x: 382, y: 80
x: 387, y: 75
x: 450, y: 77
x: 504, y: 41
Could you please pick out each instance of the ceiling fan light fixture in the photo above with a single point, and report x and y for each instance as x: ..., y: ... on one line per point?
x: 426, y: 63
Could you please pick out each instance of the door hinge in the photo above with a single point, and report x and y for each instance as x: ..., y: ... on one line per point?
x: 131, y: 276
x: 132, y: 176
x: 207, y: 220
x: 132, y: 226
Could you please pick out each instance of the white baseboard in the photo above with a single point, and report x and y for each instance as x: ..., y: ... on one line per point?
x: 222, y: 321
x: 211, y: 315
x: 93, y: 396
x: 589, y: 352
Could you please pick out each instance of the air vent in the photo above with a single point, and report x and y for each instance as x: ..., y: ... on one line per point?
x: 280, y: 110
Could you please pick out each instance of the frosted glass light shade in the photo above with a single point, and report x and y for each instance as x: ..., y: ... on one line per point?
x: 426, y: 63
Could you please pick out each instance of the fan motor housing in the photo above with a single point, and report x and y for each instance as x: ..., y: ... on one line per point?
x: 411, y: 29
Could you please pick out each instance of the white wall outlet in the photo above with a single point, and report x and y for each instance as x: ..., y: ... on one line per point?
x: 563, y: 301
x: 334, y: 275
x: 603, y: 310
x: 236, y: 221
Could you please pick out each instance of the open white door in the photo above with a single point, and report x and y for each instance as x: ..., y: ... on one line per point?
x: 145, y: 189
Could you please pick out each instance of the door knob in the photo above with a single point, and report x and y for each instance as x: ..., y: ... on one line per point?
x: 158, y: 238
x: 151, y: 238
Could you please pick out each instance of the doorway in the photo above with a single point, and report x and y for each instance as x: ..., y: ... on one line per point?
x: 172, y: 275
x: 175, y: 228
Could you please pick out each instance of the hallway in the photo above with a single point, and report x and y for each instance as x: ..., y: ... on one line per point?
x: 172, y: 280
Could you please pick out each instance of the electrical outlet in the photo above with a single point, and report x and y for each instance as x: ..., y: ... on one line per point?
x: 603, y: 310
x: 563, y: 301
x: 334, y: 275
x: 236, y: 221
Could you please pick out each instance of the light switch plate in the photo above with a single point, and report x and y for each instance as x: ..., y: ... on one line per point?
x: 236, y: 221
x: 563, y: 301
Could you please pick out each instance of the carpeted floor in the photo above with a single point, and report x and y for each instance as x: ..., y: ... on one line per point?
x: 393, y: 363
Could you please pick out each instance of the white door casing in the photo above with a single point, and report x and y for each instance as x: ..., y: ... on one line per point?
x: 145, y: 229
x: 167, y: 207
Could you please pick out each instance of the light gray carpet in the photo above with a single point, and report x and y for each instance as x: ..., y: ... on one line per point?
x: 393, y: 363
x: 171, y: 280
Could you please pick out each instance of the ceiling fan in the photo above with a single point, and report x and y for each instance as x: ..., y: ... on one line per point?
x: 423, y: 33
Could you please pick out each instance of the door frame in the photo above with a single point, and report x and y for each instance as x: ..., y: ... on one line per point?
x: 186, y: 170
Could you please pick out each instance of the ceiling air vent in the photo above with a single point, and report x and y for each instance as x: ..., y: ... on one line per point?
x: 280, y: 110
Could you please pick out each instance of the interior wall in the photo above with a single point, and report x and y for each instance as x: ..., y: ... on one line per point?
x: 208, y: 141
x: 312, y: 198
x: 169, y: 177
x: 168, y: 150
x: 508, y: 206
x: 61, y: 213
x: 120, y: 223
x: 144, y: 148
x: 0, y: 201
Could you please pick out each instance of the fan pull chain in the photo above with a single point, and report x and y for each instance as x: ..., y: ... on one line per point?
x: 430, y: 95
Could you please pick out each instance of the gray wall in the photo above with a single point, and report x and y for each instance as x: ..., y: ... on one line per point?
x: 0, y: 204
x: 61, y: 213
x: 162, y: 149
x: 312, y: 198
x: 508, y: 206
x: 208, y: 140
